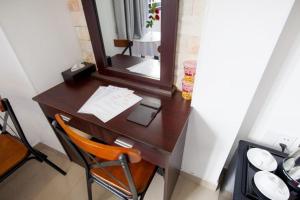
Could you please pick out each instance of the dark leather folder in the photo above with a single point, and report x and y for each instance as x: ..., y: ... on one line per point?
x: 142, y: 115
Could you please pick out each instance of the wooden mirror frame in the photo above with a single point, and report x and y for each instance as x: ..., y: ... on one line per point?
x: 169, y: 21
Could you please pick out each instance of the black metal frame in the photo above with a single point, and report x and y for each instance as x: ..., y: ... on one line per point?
x: 32, y: 152
x: 130, y: 44
x: 89, y: 162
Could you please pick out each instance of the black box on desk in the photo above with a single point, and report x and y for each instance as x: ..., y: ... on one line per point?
x: 70, y: 76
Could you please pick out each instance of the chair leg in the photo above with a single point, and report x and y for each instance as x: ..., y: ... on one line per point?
x: 42, y: 157
x: 142, y: 197
x: 143, y: 194
x: 89, y: 188
x: 54, y: 166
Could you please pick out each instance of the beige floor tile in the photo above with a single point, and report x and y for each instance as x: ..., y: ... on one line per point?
x: 38, y: 181
x: 79, y: 192
x: 188, y: 190
x: 29, y: 180
x: 99, y: 193
x: 156, y: 188
x: 62, y: 184
x: 225, y: 196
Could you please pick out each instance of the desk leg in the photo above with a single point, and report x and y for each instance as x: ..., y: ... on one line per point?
x: 174, y: 165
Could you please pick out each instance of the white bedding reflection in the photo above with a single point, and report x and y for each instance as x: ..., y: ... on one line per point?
x: 149, y: 67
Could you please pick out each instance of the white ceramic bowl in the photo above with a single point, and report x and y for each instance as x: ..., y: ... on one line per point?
x: 271, y: 186
x: 262, y: 159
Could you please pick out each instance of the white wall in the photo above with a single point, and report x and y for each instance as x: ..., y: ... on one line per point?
x: 41, y: 35
x: 258, y: 124
x: 12, y: 77
x: 275, y: 111
x: 237, y: 42
x: 280, y: 112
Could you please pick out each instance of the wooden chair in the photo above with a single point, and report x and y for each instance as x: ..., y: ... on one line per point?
x: 15, y: 150
x: 124, y: 43
x: 117, y: 169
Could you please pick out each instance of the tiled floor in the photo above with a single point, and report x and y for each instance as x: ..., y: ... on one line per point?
x: 36, y: 181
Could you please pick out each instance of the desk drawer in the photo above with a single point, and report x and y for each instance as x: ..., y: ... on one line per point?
x: 148, y: 153
x: 91, y: 129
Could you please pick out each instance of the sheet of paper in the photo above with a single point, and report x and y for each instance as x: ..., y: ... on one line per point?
x: 108, y: 102
x: 149, y: 67
x: 97, y: 94
x: 101, y: 92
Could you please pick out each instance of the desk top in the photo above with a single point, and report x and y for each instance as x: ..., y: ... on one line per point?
x: 162, y: 133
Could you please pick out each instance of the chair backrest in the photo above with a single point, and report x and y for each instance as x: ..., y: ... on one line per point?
x: 1, y: 110
x: 9, y: 113
x: 124, y: 43
x: 1, y: 106
x: 99, y: 150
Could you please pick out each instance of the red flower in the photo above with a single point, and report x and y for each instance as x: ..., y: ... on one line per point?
x: 157, y: 11
x: 157, y: 17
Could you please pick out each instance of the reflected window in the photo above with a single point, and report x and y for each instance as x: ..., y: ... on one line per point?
x: 132, y: 28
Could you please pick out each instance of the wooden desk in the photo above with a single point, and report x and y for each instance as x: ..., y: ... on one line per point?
x: 161, y: 143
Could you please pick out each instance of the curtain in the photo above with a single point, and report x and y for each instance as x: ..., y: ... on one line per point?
x: 130, y: 18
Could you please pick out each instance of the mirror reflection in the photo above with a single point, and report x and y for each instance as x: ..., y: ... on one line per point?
x: 131, y: 31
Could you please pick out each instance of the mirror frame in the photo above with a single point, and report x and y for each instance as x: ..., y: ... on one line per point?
x: 169, y: 23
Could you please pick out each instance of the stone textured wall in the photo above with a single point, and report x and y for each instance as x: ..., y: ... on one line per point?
x: 188, y: 36
x: 80, y: 26
x: 189, y: 28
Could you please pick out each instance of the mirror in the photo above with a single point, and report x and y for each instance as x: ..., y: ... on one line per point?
x: 159, y: 48
x: 131, y: 34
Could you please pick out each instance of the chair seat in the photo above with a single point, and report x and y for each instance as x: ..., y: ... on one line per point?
x: 12, y: 151
x: 142, y: 173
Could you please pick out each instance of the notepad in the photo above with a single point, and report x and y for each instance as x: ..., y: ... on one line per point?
x: 108, y: 102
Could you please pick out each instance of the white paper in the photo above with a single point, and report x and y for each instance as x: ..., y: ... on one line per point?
x: 108, y: 102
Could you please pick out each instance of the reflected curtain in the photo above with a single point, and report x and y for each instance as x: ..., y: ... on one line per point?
x: 130, y: 18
